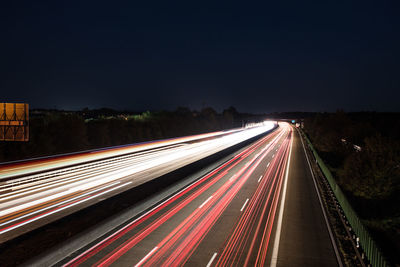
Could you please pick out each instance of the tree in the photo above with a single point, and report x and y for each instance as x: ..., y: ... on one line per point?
x: 373, y: 173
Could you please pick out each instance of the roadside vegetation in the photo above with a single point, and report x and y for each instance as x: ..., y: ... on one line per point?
x: 363, y: 152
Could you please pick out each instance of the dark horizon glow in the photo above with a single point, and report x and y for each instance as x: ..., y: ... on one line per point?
x: 261, y: 58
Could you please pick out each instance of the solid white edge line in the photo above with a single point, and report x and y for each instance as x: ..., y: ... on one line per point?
x: 339, y: 260
x: 146, y: 257
x: 274, y: 258
x: 244, y: 205
x: 212, y: 259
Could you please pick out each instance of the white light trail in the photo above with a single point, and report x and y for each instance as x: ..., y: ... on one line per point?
x: 87, y: 177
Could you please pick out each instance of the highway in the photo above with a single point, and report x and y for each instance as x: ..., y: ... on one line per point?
x: 259, y: 207
x: 35, y: 193
x: 243, y: 213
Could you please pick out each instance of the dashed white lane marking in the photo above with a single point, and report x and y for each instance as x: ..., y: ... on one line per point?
x: 208, y: 199
x: 244, y: 205
x: 146, y: 257
x: 212, y: 259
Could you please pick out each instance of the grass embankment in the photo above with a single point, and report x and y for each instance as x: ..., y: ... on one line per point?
x: 362, y: 150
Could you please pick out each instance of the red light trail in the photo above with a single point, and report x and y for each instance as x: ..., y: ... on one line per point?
x: 173, y: 231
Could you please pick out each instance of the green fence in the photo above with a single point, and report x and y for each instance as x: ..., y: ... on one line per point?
x: 372, y: 251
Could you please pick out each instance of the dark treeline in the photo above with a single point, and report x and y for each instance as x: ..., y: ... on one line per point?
x: 56, y: 132
x: 363, y: 151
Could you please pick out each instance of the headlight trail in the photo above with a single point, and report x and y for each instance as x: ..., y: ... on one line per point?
x: 179, y: 230
x: 24, y: 168
x: 32, y: 197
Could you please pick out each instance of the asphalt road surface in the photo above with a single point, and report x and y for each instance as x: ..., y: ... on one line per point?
x: 36, y: 193
x: 259, y: 208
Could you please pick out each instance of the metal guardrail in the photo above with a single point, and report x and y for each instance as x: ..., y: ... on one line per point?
x: 373, y: 253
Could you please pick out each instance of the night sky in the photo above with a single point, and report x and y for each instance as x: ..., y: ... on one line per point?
x: 258, y: 57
